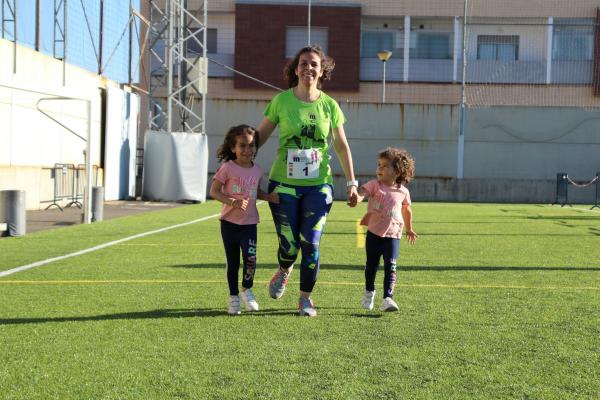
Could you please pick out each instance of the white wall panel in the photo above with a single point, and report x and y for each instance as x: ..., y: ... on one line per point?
x: 122, y: 110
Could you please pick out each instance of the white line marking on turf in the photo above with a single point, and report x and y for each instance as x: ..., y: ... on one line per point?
x: 585, y: 209
x: 101, y: 246
x: 577, y: 208
x: 337, y: 283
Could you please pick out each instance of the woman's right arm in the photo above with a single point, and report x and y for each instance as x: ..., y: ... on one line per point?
x: 265, y: 129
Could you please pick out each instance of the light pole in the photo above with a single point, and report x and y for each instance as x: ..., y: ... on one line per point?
x: 383, y: 56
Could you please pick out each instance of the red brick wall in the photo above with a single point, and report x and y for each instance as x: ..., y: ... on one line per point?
x: 260, y: 42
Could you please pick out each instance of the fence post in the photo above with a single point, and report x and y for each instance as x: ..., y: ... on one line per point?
x: 60, y: 174
x: 596, y: 202
x: 562, y: 189
x: 97, y: 203
x: 13, y: 211
x: 76, y: 185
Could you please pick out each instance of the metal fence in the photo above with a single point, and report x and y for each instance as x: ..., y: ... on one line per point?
x: 69, y: 184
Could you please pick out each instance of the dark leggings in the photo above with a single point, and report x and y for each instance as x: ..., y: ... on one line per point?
x: 236, y: 237
x: 387, y: 248
x: 299, y: 220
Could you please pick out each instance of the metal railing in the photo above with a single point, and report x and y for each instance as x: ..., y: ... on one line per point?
x: 69, y: 184
x: 562, y: 188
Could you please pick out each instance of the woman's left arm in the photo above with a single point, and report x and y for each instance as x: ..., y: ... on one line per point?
x: 342, y: 149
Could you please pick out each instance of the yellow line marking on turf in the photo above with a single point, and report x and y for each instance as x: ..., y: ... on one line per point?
x: 415, y: 285
x: 360, y: 235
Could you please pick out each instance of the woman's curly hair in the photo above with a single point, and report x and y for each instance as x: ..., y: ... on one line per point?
x: 402, y: 162
x: 327, y: 66
x: 224, y: 152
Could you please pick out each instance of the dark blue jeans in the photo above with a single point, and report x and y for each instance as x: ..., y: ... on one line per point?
x: 235, y: 238
x: 300, y: 220
x: 377, y: 247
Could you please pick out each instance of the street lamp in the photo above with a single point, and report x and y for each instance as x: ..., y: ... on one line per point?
x: 383, y: 56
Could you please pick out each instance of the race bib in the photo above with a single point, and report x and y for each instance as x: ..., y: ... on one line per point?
x: 303, y: 163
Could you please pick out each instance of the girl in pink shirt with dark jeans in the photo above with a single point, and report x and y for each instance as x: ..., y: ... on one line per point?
x: 388, y: 212
x: 237, y: 185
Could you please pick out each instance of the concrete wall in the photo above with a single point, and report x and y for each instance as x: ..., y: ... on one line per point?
x: 31, y: 143
x: 512, y: 154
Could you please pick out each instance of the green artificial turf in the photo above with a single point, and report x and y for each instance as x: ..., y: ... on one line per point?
x: 496, y: 301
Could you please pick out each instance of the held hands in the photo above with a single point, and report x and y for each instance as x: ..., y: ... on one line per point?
x: 359, y: 198
x: 353, y: 196
x: 411, y: 236
x: 273, y: 197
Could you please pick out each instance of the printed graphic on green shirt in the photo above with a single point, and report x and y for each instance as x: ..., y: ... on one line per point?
x: 309, y: 135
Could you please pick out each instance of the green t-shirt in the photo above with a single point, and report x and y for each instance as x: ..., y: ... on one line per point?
x: 303, y: 126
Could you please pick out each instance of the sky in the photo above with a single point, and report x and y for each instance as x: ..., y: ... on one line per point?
x: 83, y: 33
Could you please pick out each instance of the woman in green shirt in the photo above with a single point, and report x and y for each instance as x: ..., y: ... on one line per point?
x: 301, y: 173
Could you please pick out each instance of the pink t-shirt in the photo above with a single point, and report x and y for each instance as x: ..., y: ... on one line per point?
x: 239, y: 183
x: 384, y: 212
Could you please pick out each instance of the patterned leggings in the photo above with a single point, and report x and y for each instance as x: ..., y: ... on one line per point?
x: 299, y: 220
x: 236, y: 237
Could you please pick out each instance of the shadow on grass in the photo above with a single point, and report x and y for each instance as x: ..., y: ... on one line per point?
x: 197, y: 265
x: 589, y: 217
x: 365, y: 315
x: 154, y: 314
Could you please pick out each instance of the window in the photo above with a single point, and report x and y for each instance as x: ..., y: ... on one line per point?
x: 374, y: 42
x: 497, y: 47
x: 211, y: 37
x: 573, y: 40
x: 424, y: 45
x: 432, y: 46
x: 296, y: 37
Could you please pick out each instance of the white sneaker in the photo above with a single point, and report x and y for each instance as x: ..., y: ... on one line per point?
x: 233, y: 305
x: 368, y: 300
x: 278, y: 282
x: 249, y: 300
x: 388, y: 304
x: 306, y: 307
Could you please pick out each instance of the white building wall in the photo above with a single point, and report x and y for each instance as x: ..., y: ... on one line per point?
x: 448, y: 8
x: 31, y: 143
x: 224, y: 23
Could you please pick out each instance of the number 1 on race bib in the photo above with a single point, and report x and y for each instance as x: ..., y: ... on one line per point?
x: 303, y: 163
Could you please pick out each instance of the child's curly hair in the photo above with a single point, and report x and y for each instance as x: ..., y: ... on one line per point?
x: 327, y: 66
x: 224, y: 152
x: 402, y: 162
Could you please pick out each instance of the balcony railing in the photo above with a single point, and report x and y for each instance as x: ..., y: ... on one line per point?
x: 479, y: 71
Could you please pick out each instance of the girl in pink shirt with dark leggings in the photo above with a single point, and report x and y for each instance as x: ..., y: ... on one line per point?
x: 236, y: 184
x: 388, y: 212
